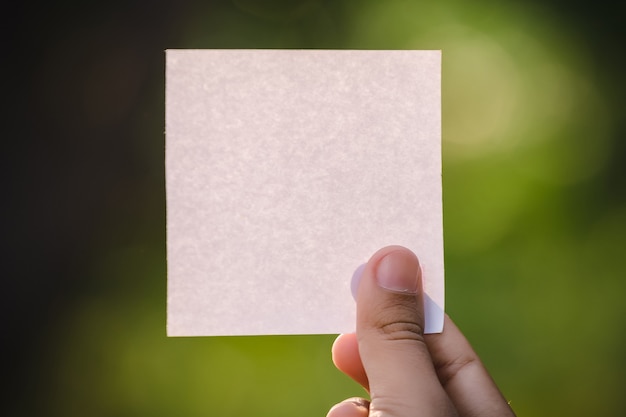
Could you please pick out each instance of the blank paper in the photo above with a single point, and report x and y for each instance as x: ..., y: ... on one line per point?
x: 287, y: 169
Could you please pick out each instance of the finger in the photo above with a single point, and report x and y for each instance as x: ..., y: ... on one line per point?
x: 346, y: 358
x: 463, y: 376
x: 458, y: 368
x: 390, y: 333
x: 353, y: 407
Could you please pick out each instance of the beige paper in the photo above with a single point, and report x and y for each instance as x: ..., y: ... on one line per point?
x: 285, y: 170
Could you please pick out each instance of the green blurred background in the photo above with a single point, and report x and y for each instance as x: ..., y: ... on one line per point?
x: 534, y: 196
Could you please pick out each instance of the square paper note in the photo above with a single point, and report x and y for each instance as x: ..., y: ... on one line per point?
x: 287, y: 169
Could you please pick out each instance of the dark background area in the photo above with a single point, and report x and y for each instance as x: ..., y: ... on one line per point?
x: 83, y: 213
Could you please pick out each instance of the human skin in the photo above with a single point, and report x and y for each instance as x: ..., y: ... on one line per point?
x: 407, y: 373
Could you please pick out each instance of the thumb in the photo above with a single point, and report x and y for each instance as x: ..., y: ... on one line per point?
x: 390, y: 333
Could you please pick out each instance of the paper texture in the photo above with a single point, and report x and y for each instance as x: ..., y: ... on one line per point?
x: 285, y: 170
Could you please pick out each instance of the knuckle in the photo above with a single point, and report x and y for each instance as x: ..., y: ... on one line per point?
x: 402, y: 330
x: 448, y: 370
x: 400, y: 322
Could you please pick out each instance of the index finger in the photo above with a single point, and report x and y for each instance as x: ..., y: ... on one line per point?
x: 463, y: 375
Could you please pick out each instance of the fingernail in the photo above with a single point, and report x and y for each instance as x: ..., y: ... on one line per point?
x: 356, y: 280
x: 398, y: 271
x: 349, y: 408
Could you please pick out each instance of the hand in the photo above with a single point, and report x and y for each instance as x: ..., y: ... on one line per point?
x: 407, y: 373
